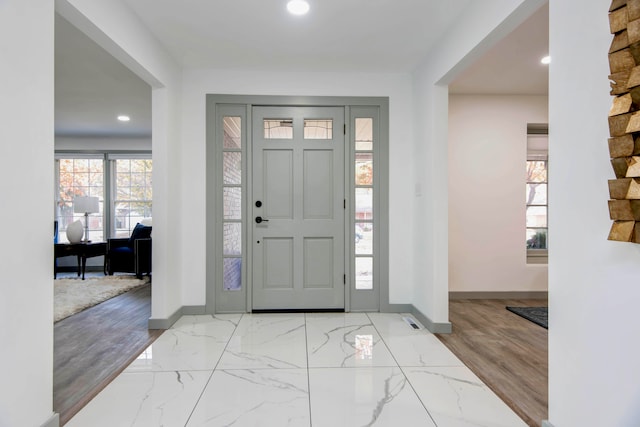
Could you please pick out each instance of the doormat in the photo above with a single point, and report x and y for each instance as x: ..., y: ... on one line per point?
x: 537, y: 315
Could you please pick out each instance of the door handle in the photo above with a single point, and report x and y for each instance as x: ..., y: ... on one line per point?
x: 259, y: 219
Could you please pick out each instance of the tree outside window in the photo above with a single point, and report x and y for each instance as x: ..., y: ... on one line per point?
x: 79, y: 177
x: 133, y: 194
x: 122, y: 183
x: 537, y: 183
x: 536, y: 194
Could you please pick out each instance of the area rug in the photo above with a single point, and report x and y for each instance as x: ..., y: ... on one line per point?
x: 537, y: 315
x: 71, y: 296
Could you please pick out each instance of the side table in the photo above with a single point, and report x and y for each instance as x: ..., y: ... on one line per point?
x: 82, y: 250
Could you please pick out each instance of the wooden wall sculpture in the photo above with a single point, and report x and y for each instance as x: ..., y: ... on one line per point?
x: 624, y: 120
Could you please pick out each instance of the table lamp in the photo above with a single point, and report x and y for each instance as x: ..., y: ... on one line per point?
x: 86, y: 205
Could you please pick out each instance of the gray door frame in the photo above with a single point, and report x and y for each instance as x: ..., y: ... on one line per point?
x: 221, y: 301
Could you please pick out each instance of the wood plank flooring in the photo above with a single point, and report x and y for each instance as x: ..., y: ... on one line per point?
x: 507, y: 352
x: 92, y: 347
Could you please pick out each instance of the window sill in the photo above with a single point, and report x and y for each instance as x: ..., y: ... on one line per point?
x: 537, y: 257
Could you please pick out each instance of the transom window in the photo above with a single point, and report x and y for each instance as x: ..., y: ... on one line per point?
x: 278, y: 128
x: 283, y: 129
x: 318, y: 129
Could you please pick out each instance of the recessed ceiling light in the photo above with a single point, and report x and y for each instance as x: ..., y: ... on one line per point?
x: 298, y: 7
x: 546, y: 60
x: 124, y: 118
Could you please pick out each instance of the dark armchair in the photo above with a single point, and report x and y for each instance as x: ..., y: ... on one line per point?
x: 132, y: 254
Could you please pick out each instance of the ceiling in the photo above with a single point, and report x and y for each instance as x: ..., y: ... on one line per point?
x: 92, y: 88
x: 512, y: 66
x: 336, y: 35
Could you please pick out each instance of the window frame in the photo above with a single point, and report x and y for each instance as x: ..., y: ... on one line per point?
x: 111, y: 163
x: 108, y: 158
x: 363, y: 299
x: 538, y: 256
x: 56, y: 190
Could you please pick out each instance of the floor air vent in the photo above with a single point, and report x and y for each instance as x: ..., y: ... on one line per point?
x: 411, y: 322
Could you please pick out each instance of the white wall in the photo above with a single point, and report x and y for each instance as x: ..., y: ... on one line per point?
x: 26, y: 150
x: 594, y: 286
x: 483, y: 24
x: 487, y: 155
x: 199, y: 82
x: 102, y: 143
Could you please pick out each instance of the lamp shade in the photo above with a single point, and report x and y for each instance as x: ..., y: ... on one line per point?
x: 85, y: 204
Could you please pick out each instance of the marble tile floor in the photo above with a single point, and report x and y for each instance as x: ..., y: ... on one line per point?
x: 302, y: 369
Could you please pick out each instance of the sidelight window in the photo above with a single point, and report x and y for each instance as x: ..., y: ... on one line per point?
x: 232, y: 203
x: 364, y: 215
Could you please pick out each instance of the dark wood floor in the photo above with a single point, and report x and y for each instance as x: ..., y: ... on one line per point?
x: 506, y: 351
x: 92, y: 347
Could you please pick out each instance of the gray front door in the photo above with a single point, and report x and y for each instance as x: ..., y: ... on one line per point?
x: 298, y: 208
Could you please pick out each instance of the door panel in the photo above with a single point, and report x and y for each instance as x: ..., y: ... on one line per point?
x: 278, y: 263
x: 298, y: 195
x: 318, y: 262
x: 278, y: 184
x: 318, y: 197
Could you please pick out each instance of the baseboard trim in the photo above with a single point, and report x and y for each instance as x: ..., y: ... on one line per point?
x: 431, y: 326
x: 54, y: 421
x: 398, y: 308
x: 187, y: 310
x: 165, y: 323
x: 455, y: 295
x: 546, y: 423
x: 194, y: 310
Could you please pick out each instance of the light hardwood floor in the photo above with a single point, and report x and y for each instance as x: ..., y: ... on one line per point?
x: 92, y: 347
x: 507, y: 352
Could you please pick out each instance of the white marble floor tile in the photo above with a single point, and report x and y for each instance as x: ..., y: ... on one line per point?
x: 192, y: 343
x: 251, y: 370
x: 144, y: 399
x: 267, y: 341
x: 345, y: 340
x: 264, y: 397
x: 412, y: 347
x: 421, y: 350
x: 378, y: 396
x: 455, y: 397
